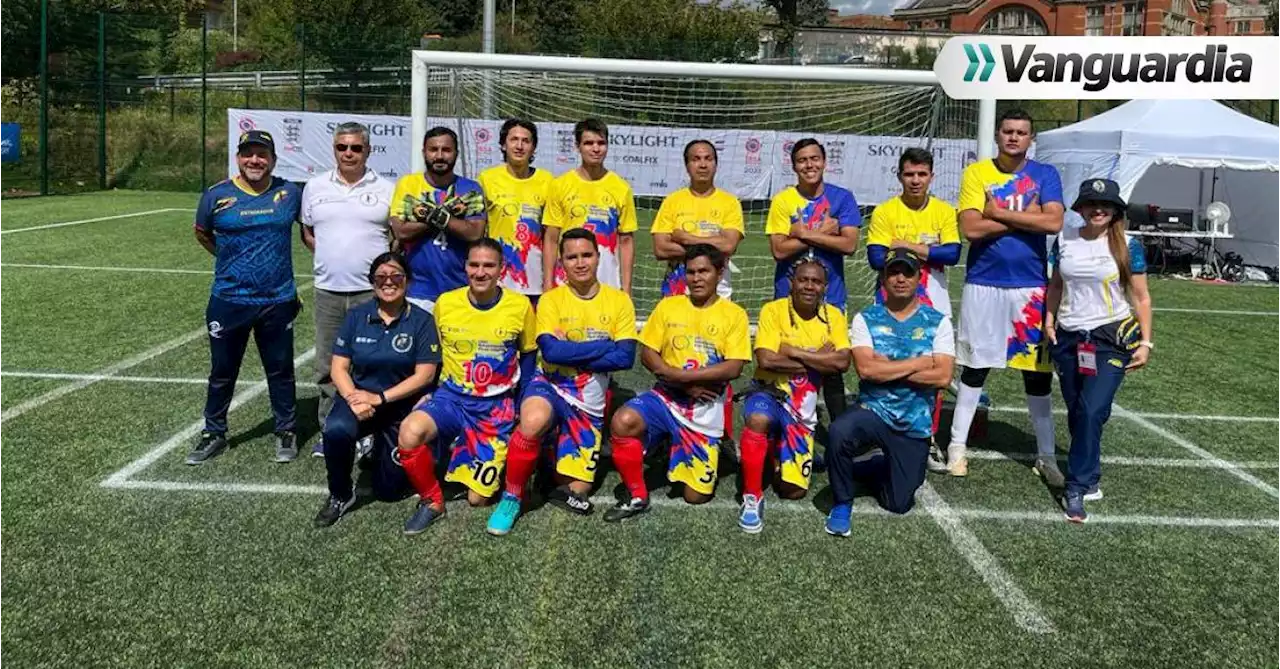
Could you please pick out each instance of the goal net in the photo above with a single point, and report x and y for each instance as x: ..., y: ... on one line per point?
x: 753, y: 114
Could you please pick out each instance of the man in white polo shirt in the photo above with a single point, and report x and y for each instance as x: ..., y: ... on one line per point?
x: 345, y: 223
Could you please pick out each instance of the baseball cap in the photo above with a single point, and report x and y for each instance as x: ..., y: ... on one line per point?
x: 259, y: 137
x: 903, y: 256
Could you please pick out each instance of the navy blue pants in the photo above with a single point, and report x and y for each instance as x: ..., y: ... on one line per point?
x: 341, y: 432
x: 1088, y: 400
x: 229, y: 327
x: 894, y: 477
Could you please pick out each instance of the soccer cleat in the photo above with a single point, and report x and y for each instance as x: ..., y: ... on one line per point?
x: 751, y: 518
x: 422, y: 518
x: 936, y: 463
x: 564, y: 498
x: 840, y: 520
x: 210, y: 445
x: 625, y: 510
x: 286, y: 446
x: 957, y: 460
x: 1047, y: 468
x: 364, y: 447
x: 504, y: 515
x: 317, y: 451
x: 1093, y: 494
x: 333, y: 509
x: 1073, y: 505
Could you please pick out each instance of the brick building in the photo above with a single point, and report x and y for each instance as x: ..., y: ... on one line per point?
x: 1072, y: 17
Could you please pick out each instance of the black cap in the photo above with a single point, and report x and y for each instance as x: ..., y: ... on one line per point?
x: 1100, y: 190
x: 259, y: 137
x: 905, y: 256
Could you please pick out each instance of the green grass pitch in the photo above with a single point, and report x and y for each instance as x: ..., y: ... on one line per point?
x: 219, y: 566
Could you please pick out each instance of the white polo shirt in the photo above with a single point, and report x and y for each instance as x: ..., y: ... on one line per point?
x: 351, y: 227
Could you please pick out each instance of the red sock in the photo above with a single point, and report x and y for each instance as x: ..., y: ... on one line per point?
x: 937, y: 410
x: 753, y: 448
x: 522, y: 459
x: 628, y: 458
x: 420, y: 467
x: 728, y: 410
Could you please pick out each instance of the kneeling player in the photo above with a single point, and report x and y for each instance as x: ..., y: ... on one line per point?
x: 486, y: 334
x: 799, y: 339
x: 904, y: 352
x: 695, y: 344
x: 585, y: 330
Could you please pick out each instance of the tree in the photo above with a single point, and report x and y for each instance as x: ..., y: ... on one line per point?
x: 556, y: 29
x: 1273, y: 17
x: 349, y: 36
x: 792, y: 14
x: 673, y: 30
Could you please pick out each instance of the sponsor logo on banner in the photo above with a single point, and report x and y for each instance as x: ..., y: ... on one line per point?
x: 646, y: 140
x: 293, y: 134
x: 566, y: 147
x: 1110, y: 68
x: 246, y: 124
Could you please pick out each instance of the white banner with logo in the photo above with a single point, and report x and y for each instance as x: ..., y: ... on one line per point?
x: 754, y: 164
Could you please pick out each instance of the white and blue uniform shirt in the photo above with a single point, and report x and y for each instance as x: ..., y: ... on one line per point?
x: 1092, y: 295
x: 384, y: 354
x: 252, y: 235
x: 905, y: 408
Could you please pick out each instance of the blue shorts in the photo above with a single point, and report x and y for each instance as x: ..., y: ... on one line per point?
x: 479, y: 429
x: 694, y: 456
x: 573, y: 433
x: 790, y: 439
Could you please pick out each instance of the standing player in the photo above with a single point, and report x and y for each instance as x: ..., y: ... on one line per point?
x: 798, y: 340
x: 435, y: 216
x: 515, y: 193
x: 245, y: 223
x: 694, y: 344
x: 1009, y: 206
x: 592, y: 197
x: 927, y: 227
x: 820, y: 220
x: 486, y: 337
x: 699, y: 214
x: 585, y: 331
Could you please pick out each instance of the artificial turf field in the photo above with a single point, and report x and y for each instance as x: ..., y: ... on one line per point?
x: 115, y: 553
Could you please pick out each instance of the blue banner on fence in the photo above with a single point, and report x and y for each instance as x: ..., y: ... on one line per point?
x: 10, y: 133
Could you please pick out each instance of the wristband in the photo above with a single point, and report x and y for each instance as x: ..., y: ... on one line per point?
x: 1147, y: 344
x: 382, y: 397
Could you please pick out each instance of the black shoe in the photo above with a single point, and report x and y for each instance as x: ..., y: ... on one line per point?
x: 332, y: 510
x: 210, y: 445
x: 286, y: 446
x: 627, y: 510
x: 423, y: 516
x: 564, y: 498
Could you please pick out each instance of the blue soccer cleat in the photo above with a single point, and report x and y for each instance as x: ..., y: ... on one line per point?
x: 840, y: 520
x: 504, y: 515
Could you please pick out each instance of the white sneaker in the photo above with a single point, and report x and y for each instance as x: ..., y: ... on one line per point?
x: 1094, y: 494
x: 957, y: 460
x: 936, y: 462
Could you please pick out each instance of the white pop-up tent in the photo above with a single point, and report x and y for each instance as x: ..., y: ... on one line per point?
x: 1180, y: 154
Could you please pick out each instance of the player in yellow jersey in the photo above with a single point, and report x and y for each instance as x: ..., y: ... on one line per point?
x: 486, y: 338
x: 585, y: 331
x: 799, y: 339
x: 515, y: 194
x: 699, y: 214
x: 694, y: 344
x: 593, y: 197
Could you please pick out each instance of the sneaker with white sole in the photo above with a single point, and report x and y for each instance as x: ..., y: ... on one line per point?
x: 364, y: 447
x: 1093, y: 494
x: 1073, y: 507
x: 286, y: 446
x: 333, y: 510
x: 936, y: 463
x: 629, y: 509
x: 840, y: 520
x: 751, y: 516
x: 957, y: 460
x: 1047, y: 468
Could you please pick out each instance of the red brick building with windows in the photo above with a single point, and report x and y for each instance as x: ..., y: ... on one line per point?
x: 1072, y: 17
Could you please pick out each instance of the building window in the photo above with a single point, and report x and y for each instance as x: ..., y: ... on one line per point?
x: 1241, y: 28
x: 1093, y: 20
x: 945, y: 24
x: 1014, y: 21
x: 1132, y: 24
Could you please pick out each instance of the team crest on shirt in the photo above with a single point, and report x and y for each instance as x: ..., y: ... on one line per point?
x: 917, y: 333
x: 402, y: 342
x: 604, y: 319
x: 223, y: 204
x: 713, y: 329
x: 369, y: 200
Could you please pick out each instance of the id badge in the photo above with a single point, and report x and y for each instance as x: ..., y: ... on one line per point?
x: 1087, y: 358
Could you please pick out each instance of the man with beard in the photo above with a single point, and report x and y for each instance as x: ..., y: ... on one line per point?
x: 515, y: 193
x: 435, y: 216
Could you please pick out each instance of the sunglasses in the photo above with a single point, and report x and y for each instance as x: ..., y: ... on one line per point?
x: 392, y: 279
x: 355, y: 148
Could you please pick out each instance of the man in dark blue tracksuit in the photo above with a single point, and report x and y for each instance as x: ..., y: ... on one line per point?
x: 246, y: 222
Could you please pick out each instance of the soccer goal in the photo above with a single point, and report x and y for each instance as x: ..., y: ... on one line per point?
x: 753, y: 113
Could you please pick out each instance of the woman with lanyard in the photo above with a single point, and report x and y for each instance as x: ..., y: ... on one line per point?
x: 1098, y: 320
x: 384, y: 357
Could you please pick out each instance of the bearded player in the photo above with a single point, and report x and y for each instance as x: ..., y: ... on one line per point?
x: 515, y: 194
x: 585, y: 331
x: 1010, y: 206
x: 694, y: 344
x: 799, y: 339
x: 486, y: 340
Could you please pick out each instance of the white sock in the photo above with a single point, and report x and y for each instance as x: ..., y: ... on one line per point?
x: 962, y: 419
x: 1041, y: 410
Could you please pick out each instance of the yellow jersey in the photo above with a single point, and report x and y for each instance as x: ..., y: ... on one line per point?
x: 703, y: 216
x: 515, y: 209
x: 934, y: 224
x: 481, y: 347
x: 779, y: 324
x: 605, y: 206
x: 609, y: 316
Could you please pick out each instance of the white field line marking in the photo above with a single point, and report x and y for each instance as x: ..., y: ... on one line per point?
x: 125, y: 473
x: 1158, y: 416
x: 1125, y: 460
x: 721, y: 505
x: 108, y: 377
x: 137, y: 270
x: 1025, y: 612
x: 90, y: 220
x: 1232, y: 468
x: 1218, y: 312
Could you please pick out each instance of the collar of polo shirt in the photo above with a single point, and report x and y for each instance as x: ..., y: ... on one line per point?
x: 370, y: 174
x: 376, y: 319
